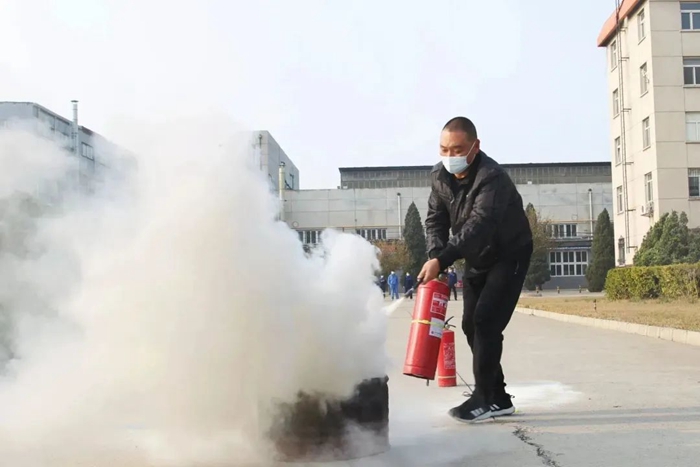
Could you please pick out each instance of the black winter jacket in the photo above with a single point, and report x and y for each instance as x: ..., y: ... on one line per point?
x: 484, y: 211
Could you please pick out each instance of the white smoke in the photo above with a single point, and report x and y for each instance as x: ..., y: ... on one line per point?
x: 159, y: 324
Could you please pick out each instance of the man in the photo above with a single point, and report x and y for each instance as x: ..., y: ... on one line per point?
x: 394, y: 285
x: 408, y: 285
x: 474, y: 196
x: 452, y: 281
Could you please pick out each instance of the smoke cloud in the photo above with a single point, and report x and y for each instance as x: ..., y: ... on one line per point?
x: 159, y: 321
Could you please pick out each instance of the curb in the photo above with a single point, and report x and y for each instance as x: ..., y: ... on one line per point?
x: 668, y: 334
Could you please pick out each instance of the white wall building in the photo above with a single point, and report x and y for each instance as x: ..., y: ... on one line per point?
x: 268, y: 155
x: 653, y: 67
x: 95, y: 157
x: 373, y: 202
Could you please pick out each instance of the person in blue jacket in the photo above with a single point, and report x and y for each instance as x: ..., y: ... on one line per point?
x: 452, y: 282
x: 408, y: 284
x: 393, y: 281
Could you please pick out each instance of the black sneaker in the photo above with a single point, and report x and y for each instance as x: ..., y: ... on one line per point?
x: 472, y: 410
x: 502, y: 406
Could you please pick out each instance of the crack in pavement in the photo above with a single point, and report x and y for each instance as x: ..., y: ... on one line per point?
x: 546, y: 456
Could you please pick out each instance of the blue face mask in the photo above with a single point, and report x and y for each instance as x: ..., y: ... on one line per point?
x: 458, y: 164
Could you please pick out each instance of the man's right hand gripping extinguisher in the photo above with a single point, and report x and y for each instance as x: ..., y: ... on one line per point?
x: 427, y: 328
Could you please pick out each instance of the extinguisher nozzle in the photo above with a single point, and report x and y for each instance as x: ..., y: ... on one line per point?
x: 413, y: 289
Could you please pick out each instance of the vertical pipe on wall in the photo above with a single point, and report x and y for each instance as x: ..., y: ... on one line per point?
x: 590, y: 208
x: 76, y: 135
x: 281, y: 183
x: 400, y: 221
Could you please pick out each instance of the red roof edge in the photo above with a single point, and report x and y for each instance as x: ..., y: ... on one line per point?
x: 610, y: 25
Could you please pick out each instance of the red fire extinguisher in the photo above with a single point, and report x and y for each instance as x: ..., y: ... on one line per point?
x: 427, y: 327
x: 447, y: 363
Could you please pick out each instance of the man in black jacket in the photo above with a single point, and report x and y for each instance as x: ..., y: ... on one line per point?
x: 474, y: 197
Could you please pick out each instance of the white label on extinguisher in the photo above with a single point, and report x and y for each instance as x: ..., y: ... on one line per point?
x: 439, y: 304
x: 436, y: 327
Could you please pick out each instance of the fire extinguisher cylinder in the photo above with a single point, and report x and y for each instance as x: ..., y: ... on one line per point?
x: 427, y: 327
x: 447, y: 363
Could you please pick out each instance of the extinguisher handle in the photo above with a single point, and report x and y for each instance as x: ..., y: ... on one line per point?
x: 447, y: 324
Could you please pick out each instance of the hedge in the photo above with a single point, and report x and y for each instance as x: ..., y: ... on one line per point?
x: 638, y: 282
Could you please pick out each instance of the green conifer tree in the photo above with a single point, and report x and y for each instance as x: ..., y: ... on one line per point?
x: 414, y: 236
x: 538, y: 272
x: 602, y: 253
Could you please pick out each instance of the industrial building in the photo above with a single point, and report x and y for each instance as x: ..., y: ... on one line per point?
x: 96, y: 158
x: 653, y: 69
x: 373, y: 202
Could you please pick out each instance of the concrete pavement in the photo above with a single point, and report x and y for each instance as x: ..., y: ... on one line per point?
x: 585, y: 397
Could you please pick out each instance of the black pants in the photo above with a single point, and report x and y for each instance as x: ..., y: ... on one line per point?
x: 489, y: 302
x: 453, y: 289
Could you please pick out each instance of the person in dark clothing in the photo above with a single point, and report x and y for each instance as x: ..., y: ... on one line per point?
x: 452, y: 282
x: 382, y: 285
x: 474, y: 197
x: 408, y: 284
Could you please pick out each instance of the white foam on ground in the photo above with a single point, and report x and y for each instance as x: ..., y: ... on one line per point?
x: 543, y: 395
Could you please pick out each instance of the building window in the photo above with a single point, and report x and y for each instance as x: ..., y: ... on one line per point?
x: 648, y: 188
x: 562, y: 230
x: 621, y: 251
x: 646, y: 133
x: 643, y: 80
x: 616, y: 102
x: 694, y: 183
x: 620, y: 203
x: 690, y: 16
x: 613, y: 55
x: 87, y: 151
x: 309, y: 237
x: 372, y: 234
x: 618, y: 151
x: 641, y: 25
x: 691, y: 71
x: 568, y: 263
x: 692, y: 127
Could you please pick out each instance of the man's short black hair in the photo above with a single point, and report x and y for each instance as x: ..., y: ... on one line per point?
x: 462, y: 124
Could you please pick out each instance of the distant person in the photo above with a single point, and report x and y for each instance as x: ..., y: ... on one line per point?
x: 452, y: 281
x: 382, y: 284
x: 394, y: 285
x: 473, y: 196
x: 408, y: 283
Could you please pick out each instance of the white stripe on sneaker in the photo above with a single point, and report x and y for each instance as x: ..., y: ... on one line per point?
x: 496, y: 411
x: 480, y: 414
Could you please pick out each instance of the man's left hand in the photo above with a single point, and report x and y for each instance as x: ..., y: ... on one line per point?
x: 430, y: 271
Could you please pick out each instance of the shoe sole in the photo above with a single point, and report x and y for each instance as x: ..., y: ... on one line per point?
x: 503, y: 412
x: 480, y: 418
x: 485, y: 416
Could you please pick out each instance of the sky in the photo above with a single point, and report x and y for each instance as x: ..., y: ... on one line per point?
x: 337, y: 83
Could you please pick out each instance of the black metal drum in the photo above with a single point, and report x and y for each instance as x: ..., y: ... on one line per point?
x: 317, y: 428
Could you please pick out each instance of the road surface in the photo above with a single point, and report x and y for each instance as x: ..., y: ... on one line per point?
x: 586, y: 397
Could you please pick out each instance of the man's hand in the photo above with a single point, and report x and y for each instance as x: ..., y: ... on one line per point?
x: 430, y: 271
